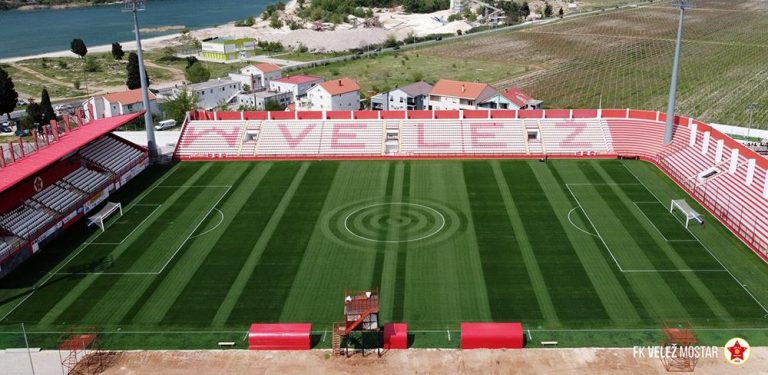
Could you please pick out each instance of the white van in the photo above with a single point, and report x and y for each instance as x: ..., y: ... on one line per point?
x: 166, y: 124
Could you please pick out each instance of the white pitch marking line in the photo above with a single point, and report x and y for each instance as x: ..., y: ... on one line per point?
x: 574, y: 224
x: 195, y: 229
x: 105, y: 243
x: 221, y: 220
x: 568, y: 186
x: 346, y: 219
x: 654, y: 225
x: 702, y: 244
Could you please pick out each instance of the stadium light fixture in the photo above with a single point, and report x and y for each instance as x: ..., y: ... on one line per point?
x: 682, y: 5
x: 135, y: 6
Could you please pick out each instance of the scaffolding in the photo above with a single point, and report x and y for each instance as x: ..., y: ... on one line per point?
x: 678, y: 340
x: 80, y: 353
x: 361, y: 314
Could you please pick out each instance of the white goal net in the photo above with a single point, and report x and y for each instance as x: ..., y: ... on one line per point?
x: 99, y: 217
x: 687, y: 210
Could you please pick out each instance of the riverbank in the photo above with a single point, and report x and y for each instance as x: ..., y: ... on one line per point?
x: 28, y: 7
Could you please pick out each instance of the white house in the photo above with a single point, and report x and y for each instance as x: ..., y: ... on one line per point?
x: 213, y: 93
x: 119, y: 103
x: 335, y: 95
x: 257, y: 76
x: 297, y: 85
x: 228, y: 49
x: 408, y: 98
x: 452, y: 95
x: 258, y: 99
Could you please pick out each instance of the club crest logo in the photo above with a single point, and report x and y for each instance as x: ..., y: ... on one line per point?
x: 737, y: 351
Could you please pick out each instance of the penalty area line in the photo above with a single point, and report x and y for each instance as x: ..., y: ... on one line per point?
x: 743, y: 286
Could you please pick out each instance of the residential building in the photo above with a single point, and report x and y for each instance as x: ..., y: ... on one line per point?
x: 452, y: 95
x: 258, y: 99
x: 297, y: 85
x: 257, y: 76
x: 521, y: 100
x: 335, y: 95
x: 213, y: 93
x: 408, y: 98
x: 119, y: 103
x: 228, y: 49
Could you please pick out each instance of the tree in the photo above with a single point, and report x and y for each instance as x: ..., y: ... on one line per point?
x: 46, y: 109
x: 560, y: 12
x: 525, y: 10
x: 271, y: 105
x: 275, y: 22
x: 117, y: 51
x: 178, y: 107
x: 78, y: 47
x: 548, y: 10
x: 134, y: 79
x: 390, y: 41
x: 35, y: 113
x: 8, y: 94
x: 197, y: 73
x: 190, y: 60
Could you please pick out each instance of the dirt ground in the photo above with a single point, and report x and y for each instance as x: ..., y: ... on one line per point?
x: 533, y: 361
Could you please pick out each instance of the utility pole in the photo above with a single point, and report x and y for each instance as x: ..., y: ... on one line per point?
x: 135, y: 6
x: 683, y: 5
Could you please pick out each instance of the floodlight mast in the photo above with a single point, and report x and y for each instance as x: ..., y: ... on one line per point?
x: 135, y: 6
x: 683, y: 5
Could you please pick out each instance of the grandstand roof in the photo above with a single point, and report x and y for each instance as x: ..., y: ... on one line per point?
x: 67, y: 144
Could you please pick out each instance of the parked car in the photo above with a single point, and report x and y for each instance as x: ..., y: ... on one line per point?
x: 21, y: 102
x: 22, y: 132
x: 62, y: 108
x: 166, y: 124
x: 5, y: 129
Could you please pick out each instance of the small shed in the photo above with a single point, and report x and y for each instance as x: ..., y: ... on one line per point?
x: 279, y: 336
x: 491, y: 336
x: 395, y: 336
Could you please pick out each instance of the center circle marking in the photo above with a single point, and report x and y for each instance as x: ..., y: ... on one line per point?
x: 436, y: 231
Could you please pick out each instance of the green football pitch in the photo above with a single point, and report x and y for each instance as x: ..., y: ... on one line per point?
x: 583, y: 252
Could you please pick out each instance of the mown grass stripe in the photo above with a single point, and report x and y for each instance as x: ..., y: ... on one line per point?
x: 619, y: 277
x: 523, y: 242
x: 378, y: 264
x: 510, y: 292
x: 266, y: 291
x: 565, y: 277
x: 398, y: 304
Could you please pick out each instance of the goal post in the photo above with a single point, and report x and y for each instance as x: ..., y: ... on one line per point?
x: 687, y: 210
x: 108, y: 209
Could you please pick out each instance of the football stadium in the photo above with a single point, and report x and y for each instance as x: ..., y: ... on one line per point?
x: 350, y: 234
x: 582, y: 225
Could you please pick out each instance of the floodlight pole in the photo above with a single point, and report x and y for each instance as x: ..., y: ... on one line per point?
x: 682, y: 4
x: 134, y: 6
x: 751, y: 109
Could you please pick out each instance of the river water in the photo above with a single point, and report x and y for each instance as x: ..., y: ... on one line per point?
x: 25, y: 33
